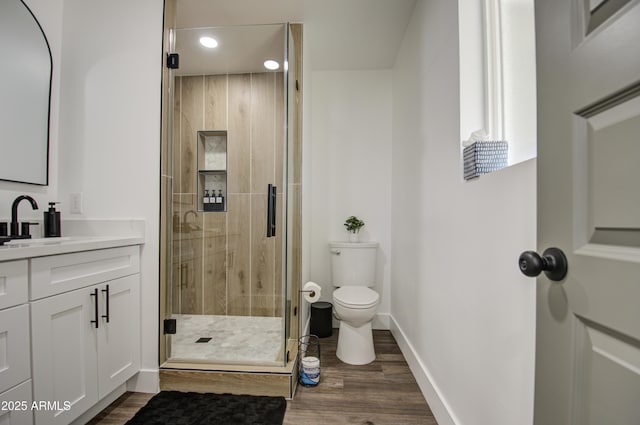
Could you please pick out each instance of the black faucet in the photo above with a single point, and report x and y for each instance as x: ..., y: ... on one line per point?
x: 14, y: 216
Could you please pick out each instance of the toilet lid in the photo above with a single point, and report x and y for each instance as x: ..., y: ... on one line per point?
x: 357, y: 296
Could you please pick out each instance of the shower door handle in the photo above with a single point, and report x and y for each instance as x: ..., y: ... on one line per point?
x: 271, y: 210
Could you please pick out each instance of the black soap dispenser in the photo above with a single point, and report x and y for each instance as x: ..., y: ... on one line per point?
x: 52, y: 222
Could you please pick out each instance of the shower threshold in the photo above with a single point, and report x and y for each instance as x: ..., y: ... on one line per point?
x: 233, y: 378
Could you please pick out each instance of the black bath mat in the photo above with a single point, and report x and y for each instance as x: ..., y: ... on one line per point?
x: 178, y: 408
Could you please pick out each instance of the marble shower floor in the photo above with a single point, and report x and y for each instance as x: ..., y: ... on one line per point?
x: 234, y: 339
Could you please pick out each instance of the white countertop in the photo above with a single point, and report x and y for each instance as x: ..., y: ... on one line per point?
x: 27, y: 248
x: 78, y: 235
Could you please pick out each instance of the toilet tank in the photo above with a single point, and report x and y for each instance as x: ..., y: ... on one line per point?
x: 353, y: 263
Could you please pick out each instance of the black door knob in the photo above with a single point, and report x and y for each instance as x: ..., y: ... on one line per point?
x: 553, y: 263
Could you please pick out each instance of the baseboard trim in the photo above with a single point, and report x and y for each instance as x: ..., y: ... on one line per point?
x: 438, y: 404
x: 145, y: 381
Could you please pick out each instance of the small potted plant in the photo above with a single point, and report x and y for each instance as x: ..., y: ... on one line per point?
x: 353, y: 225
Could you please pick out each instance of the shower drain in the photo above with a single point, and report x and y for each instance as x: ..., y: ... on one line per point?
x: 203, y: 340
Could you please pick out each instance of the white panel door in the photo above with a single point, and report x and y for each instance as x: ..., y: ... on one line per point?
x: 588, y: 324
x: 119, y: 338
x: 64, y: 342
x: 14, y: 346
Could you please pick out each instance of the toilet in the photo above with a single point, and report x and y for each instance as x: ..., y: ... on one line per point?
x: 353, y: 270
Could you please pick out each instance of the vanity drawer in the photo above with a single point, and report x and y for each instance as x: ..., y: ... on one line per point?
x: 15, y: 405
x: 15, y: 350
x: 14, y: 286
x: 62, y: 273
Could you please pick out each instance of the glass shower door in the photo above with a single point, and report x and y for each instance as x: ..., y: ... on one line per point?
x: 226, y: 298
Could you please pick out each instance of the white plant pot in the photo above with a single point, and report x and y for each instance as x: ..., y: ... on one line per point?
x: 354, y: 237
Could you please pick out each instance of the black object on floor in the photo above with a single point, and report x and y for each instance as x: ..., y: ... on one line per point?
x: 178, y: 408
x: 321, y: 315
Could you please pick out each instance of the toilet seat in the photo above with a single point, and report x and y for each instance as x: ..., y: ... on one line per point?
x: 356, y: 297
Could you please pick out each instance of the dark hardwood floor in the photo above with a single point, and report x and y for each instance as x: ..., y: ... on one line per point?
x: 121, y: 410
x: 381, y: 393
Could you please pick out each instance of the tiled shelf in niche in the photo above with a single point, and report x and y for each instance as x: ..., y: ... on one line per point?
x: 212, y: 170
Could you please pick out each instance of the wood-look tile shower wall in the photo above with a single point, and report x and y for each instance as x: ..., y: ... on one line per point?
x: 223, y: 263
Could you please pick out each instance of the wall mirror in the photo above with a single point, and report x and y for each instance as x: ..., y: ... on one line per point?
x: 25, y: 84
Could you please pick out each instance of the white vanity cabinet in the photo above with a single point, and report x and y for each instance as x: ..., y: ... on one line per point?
x: 85, y: 328
x: 15, y: 365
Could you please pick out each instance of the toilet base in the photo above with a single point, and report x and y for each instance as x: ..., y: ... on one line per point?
x: 355, y: 344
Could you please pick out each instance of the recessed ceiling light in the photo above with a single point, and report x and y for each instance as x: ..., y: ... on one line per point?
x: 271, y: 64
x: 208, y: 42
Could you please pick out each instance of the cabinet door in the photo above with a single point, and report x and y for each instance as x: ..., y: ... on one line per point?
x: 14, y: 346
x: 119, y: 338
x: 64, y: 343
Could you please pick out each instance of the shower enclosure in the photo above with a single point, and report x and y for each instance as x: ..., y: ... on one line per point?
x: 230, y: 202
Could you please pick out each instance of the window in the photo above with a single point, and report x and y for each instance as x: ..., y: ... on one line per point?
x: 498, y: 73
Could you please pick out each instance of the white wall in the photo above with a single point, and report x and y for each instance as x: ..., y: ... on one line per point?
x: 49, y: 15
x: 105, y: 129
x: 110, y: 129
x: 350, y: 169
x: 461, y: 311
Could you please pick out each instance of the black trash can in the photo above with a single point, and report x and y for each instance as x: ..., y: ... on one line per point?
x: 321, y: 315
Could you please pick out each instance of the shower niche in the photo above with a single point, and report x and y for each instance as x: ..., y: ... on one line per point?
x: 212, y: 170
